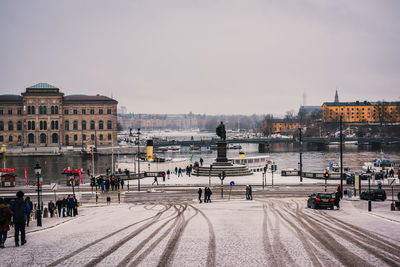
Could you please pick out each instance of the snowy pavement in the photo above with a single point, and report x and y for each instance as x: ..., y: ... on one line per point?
x: 262, y: 232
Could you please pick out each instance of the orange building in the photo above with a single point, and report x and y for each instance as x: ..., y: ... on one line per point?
x: 361, y: 111
x: 279, y: 126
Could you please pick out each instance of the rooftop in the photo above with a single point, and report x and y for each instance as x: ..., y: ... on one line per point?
x: 10, y: 98
x: 363, y: 103
x: 88, y: 98
x: 42, y: 86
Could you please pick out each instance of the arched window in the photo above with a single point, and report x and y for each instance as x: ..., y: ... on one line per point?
x: 101, y: 125
x: 10, y: 126
x: 31, y: 138
x: 33, y: 125
x: 43, y: 138
x: 52, y: 125
x: 83, y: 125
x: 19, y: 126
x: 1, y: 126
x: 92, y: 137
x: 109, y: 125
x: 44, y: 110
x: 29, y: 125
x: 75, y: 125
x: 54, y: 138
x: 101, y: 137
x: 52, y: 109
x: 66, y: 125
x: 40, y: 110
x: 29, y: 109
x: 56, y: 109
x: 41, y: 125
x: 45, y: 125
x: 56, y: 125
x: 33, y: 110
x: 67, y: 139
x: 92, y: 125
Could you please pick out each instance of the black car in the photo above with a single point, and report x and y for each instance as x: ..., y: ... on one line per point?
x: 373, y: 194
x: 321, y: 200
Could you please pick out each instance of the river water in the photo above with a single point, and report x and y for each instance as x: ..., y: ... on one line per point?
x: 285, y: 156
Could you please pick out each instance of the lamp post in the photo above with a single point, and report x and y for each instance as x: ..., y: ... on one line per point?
x: 369, y: 194
x: 341, y: 158
x: 38, y: 171
x: 301, y: 156
x: 138, y: 162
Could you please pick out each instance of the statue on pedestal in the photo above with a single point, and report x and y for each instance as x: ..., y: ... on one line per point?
x: 221, y: 131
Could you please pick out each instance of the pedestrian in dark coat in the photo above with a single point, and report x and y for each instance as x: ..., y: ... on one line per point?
x: 251, y: 192
x: 122, y: 184
x: 200, y: 192
x: 209, y: 193
x: 51, y: 208
x: 19, y: 210
x: 75, y: 207
x: 29, y: 202
x: 5, y: 219
x: 205, y: 195
x: 64, y: 205
x: 71, y: 204
x: 337, y: 199
x: 59, y: 205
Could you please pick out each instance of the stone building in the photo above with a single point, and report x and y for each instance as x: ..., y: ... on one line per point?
x: 43, y: 116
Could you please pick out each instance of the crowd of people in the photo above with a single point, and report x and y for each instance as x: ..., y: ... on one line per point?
x: 207, y: 195
x: 107, y: 183
x: 19, y: 212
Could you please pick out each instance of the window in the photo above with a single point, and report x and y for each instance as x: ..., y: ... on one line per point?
x: 92, y: 137
x: 83, y: 125
x: 1, y: 126
x: 31, y: 138
x: 66, y: 125
x: 91, y: 111
x: 101, y: 137
x: 66, y: 111
x: 75, y: 125
x: 40, y: 110
x: 29, y: 125
x: 52, y: 125
x: 109, y: 111
x: 1, y: 112
x: 45, y: 125
x: 10, y: 112
x: 33, y: 125
x: 100, y: 111
x: 29, y: 110
x: 33, y: 110
x: 44, y: 110
x: 19, y: 126
x: 109, y: 125
x: 54, y: 138
x: 19, y: 138
x: 84, y: 137
x: 19, y: 111
x: 75, y: 111
x: 101, y: 126
x: 41, y: 125
x: 56, y: 124
x: 92, y: 125
x: 10, y: 126
x: 10, y: 138
x: 109, y: 136
x: 1, y: 138
x: 75, y: 137
x: 56, y: 109
x: 83, y: 111
x: 52, y: 109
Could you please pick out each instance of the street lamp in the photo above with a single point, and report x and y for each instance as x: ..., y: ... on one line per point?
x: 71, y: 180
x: 38, y: 171
x: 138, y: 162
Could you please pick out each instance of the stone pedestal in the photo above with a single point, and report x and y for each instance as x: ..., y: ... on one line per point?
x: 221, y: 151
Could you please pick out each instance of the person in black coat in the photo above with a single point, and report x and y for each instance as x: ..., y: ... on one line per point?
x: 59, y: 205
x: 20, y: 210
x: 200, y: 192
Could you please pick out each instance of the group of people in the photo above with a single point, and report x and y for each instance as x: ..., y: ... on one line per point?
x: 249, y: 192
x: 207, y: 195
x: 107, y: 183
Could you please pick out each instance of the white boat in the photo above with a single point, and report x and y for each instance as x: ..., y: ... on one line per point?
x: 254, y: 163
x: 378, y: 164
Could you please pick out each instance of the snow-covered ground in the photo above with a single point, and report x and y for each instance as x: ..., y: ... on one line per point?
x: 262, y: 232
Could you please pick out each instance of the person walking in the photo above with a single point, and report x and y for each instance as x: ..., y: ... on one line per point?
x: 200, y: 192
x: 75, y: 206
x: 5, y: 219
x: 168, y: 174
x: 51, y: 208
x: 155, y: 180
x: 209, y: 193
x: 251, y: 192
x: 64, y: 205
x: 29, y: 202
x: 59, y: 205
x: 337, y: 199
x: 19, y: 211
x: 201, y: 162
x: 247, y: 192
x: 122, y: 183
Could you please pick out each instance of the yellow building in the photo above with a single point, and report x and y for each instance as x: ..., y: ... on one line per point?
x: 361, y: 111
x: 279, y: 126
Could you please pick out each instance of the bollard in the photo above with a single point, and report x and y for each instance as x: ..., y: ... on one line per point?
x: 369, y: 205
x: 119, y: 198
x: 392, y: 208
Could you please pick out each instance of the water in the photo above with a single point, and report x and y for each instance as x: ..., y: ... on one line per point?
x: 285, y: 156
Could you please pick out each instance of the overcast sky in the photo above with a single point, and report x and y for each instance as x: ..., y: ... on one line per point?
x: 212, y: 57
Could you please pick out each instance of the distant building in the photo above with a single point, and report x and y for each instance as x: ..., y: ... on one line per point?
x: 122, y: 110
x: 361, y: 111
x: 43, y: 116
x: 310, y: 109
x: 282, y: 125
x: 336, y: 97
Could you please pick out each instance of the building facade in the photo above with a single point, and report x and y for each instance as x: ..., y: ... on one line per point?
x: 43, y: 116
x: 372, y: 112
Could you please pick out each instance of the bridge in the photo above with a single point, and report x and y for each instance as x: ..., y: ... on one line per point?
x: 310, y: 140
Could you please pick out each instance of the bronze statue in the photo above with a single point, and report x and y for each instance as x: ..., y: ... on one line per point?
x: 221, y: 131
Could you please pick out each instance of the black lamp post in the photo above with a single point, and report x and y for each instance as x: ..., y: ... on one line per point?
x: 38, y: 171
x: 301, y: 156
x: 138, y: 162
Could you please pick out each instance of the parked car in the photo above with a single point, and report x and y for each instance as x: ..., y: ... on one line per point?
x: 321, y: 200
x: 373, y: 194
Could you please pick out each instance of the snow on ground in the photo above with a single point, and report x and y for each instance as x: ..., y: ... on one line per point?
x: 262, y: 232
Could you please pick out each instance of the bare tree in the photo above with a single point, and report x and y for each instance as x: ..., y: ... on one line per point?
x: 267, y: 124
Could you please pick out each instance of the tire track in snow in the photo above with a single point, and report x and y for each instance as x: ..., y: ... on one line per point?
x: 168, y: 255
x: 211, y: 240
x: 75, y: 252
x: 133, y: 253
x: 266, y: 240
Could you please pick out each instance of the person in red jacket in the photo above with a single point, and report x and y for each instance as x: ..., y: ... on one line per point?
x: 5, y: 219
